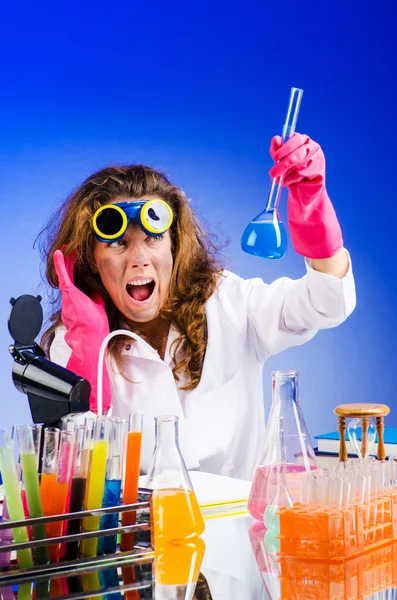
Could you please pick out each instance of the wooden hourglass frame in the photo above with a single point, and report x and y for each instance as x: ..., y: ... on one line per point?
x: 363, y: 412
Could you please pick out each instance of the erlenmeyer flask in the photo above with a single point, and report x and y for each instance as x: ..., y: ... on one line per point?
x: 298, y: 452
x: 176, y: 513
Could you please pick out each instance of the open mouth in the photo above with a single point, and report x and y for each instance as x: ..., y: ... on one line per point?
x: 140, y: 290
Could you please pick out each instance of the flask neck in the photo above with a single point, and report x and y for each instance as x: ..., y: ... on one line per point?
x: 167, y: 432
x: 284, y: 390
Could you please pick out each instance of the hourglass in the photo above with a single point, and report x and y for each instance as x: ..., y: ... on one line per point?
x: 363, y: 413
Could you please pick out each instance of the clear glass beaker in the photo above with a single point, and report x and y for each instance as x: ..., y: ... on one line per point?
x: 176, y: 513
x: 297, y: 456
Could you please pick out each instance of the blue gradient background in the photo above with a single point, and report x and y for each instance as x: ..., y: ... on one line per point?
x: 198, y: 92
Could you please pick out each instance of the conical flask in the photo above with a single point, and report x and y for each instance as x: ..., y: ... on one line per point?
x: 176, y: 513
x: 297, y: 453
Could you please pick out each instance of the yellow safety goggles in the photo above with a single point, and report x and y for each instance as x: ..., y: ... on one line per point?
x: 110, y: 221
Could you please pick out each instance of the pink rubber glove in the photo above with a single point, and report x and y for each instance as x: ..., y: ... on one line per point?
x: 87, y: 325
x: 313, y: 225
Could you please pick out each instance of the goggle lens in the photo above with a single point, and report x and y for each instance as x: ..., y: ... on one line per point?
x: 110, y: 222
x: 156, y: 216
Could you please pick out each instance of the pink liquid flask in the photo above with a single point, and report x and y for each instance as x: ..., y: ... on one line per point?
x: 295, y: 452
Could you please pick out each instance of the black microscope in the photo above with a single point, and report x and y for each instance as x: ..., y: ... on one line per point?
x: 53, y: 392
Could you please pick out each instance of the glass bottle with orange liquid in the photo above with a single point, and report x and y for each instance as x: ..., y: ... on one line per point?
x: 176, y: 513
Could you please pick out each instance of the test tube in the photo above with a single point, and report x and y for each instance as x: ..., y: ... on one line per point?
x: 37, y: 430
x: 130, y: 493
x: 79, y: 485
x: 96, y: 483
x: 393, y: 470
x: 13, y: 497
x: 28, y: 457
x: 61, y: 489
x: 114, y: 476
x: 49, y: 468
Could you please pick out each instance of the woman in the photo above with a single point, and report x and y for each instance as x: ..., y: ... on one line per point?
x: 202, y: 334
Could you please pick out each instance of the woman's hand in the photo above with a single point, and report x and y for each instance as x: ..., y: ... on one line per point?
x: 87, y: 325
x: 313, y: 225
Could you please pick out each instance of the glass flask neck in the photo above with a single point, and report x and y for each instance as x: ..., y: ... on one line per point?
x: 284, y: 390
x: 167, y: 434
x: 167, y: 469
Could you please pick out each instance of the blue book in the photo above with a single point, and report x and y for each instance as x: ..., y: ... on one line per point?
x: 329, y: 442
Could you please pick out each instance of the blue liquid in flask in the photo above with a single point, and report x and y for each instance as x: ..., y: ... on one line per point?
x: 265, y: 236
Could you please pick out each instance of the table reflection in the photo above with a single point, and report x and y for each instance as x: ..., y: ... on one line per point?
x: 371, y: 576
x: 230, y: 561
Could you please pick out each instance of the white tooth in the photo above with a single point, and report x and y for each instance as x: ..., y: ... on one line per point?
x: 140, y: 282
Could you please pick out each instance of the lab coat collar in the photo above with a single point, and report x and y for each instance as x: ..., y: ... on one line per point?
x: 141, y: 348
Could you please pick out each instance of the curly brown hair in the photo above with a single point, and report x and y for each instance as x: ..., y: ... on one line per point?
x: 195, y: 272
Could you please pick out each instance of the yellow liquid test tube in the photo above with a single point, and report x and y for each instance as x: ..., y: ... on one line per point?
x: 96, y: 484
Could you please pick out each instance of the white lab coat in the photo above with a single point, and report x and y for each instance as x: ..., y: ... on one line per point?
x: 221, y: 422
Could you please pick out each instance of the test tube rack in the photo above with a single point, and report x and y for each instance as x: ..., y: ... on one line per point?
x: 355, y: 578
x: 329, y: 534
x: 141, y: 556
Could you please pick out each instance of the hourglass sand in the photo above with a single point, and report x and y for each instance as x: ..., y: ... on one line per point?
x: 362, y: 412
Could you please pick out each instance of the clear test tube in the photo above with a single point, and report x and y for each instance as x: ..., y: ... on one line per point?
x: 393, y: 471
x: 49, y: 467
x: 37, y: 430
x: 96, y: 483
x: 132, y: 470
x: 13, y: 497
x: 304, y: 487
x: 114, y: 477
x: 27, y: 452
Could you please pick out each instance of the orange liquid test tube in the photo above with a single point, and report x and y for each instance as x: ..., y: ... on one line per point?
x: 130, y: 494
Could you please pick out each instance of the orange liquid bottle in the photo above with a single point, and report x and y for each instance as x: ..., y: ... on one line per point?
x: 176, y: 513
